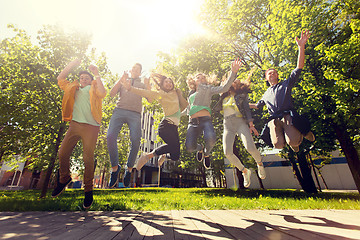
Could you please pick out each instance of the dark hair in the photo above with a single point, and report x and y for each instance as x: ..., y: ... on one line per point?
x: 159, y: 80
x: 86, y: 72
x: 269, y: 70
x: 267, y: 83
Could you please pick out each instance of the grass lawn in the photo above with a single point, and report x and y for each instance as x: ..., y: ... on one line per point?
x: 177, y: 198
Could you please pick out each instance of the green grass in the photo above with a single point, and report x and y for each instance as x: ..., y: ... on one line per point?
x: 177, y: 198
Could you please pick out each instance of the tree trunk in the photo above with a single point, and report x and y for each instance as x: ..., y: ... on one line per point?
x: 322, y: 178
x: 313, y: 168
x: 304, y: 174
x: 203, y: 174
x: 260, y: 180
x: 295, y: 168
x: 350, y: 152
x: 309, y: 184
x: 52, y: 160
x: 103, y: 178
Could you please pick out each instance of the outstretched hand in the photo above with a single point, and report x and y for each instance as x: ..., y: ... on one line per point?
x: 303, y: 39
x: 94, y: 70
x: 124, y: 77
x: 235, y: 65
x: 75, y: 63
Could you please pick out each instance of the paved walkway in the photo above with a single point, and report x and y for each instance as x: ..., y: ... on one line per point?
x: 186, y: 224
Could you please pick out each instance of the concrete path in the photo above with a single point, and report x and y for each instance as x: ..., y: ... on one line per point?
x: 184, y: 224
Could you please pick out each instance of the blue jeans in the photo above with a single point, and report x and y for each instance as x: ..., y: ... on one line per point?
x: 196, y: 127
x: 133, y: 120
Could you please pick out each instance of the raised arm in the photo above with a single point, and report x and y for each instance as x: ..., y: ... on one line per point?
x: 182, y: 101
x: 62, y: 82
x: 301, y: 45
x: 235, y: 66
x: 115, y: 89
x: 100, y: 89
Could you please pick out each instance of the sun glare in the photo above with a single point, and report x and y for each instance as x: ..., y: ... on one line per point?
x: 127, y: 31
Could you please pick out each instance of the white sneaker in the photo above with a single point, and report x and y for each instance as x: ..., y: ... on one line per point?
x: 247, y: 178
x: 161, y: 160
x: 142, y: 161
x: 261, y: 171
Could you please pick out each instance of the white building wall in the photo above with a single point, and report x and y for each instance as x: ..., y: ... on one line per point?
x: 337, y: 175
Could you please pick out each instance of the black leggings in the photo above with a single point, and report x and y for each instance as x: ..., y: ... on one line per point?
x: 169, y: 133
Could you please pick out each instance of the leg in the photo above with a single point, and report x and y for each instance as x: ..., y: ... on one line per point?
x: 247, y: 139
x: 169, y: 133
x: 89, y: 139
x: 134, y: 123
x: 277, y: 133
x: 69, y: 142
x: 116, y: 123
x: 192, y: 134
x: 209, y: 135
x: 228, y: 143
x: 293, y: 136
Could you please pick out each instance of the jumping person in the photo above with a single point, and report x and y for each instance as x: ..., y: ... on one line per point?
x: 238, y: 121
x: 200, y: 113
x: 81, y: 106
x: 280, y: 105
x: 128, y: 110
x: 173, y: 103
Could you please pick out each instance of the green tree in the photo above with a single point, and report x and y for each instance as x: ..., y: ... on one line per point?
x: 31, y: 123
x: 330, y: 75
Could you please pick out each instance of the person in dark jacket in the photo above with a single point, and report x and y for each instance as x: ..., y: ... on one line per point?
x: 279, y: 103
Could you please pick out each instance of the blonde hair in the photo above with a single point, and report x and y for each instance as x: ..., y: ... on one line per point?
x: 210, y: 79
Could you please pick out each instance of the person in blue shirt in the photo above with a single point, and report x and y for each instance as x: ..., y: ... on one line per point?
x: 279, y: 103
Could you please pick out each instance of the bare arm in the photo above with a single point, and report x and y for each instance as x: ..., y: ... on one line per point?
x: 100, y: 89
x: 235, y: 66
x: 115, y: 89
x: 65, y: 72
x: 182, y: 101
x: 301, y: 45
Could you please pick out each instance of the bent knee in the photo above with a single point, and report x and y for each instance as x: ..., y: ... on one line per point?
x: 279, y: 145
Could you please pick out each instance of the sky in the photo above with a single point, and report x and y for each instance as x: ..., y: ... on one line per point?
x: 128, y: 31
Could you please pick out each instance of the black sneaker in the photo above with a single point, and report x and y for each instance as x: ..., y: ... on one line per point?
x: 127, y: 178
x: 199, y: 156
x: 60, y: 188
x: 114, y: 177
x: 88, y: 200
x: 207, y: 162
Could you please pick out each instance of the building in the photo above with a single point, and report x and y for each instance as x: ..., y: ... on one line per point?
x: 279, y: 174
x: 20, y: 177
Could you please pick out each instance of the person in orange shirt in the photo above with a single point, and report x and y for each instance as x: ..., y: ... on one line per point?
x: 82, y: 107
